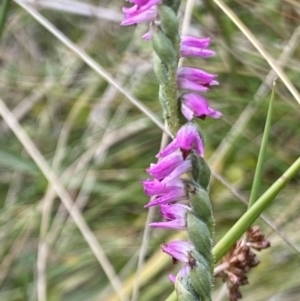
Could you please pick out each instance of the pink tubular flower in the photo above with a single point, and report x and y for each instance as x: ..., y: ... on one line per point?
x: 189, y: 78
x: 195, y: 42
x: 185, y: 41
x: 195, y: 74
x: 172, y: 278
x: 175, y: 195
x: 139, y: 17
x: 188, y: 51
x: 185, y: 84
x: 177, y: 172
x: 170, y: 189
x: 179, y: 250
x: 189, y: 46
x: 194, y: 105
x: 187, y: 139
x: 165, y: 166
x: 192, y: 46
x: 175, y: 215
x: 145, y: 4
x: 147, y: 36
x: 142, y: 11
x: 155, y: 187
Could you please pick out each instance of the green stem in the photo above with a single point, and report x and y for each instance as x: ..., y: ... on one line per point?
x: 170, y: 91
x: 166, y: 44
x: 254, y: 212
x: 241, y: 226
x: 261, y: 156
x: 3, y: 15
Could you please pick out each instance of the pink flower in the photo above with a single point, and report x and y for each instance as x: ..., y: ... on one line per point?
x: 155, y: 187
x: 189, y: 46
x: 142, y: 11
x: 169, y: 183
x: 179, y: 250
x: 147, y: 36
x: 187, y: 139
x: 184, y: 167
x: 171, y: 197
x: 195, y: 42
x: 193, y: 47
x: 194, y: 105
x: 189, y: 78
x: 165, y: 166
x: 139, y: 17
x: 170, y: 189
x: 188, y: 51
x: 172, y: 278
x: 175, y: 215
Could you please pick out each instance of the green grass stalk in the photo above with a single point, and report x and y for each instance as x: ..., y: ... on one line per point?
x: 262, y: 153
x: 241, y: 226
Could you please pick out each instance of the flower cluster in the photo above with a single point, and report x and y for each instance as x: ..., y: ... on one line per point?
x: 170, y: 185
x: 190, y: 80
x: 167, y: 186
x: 141, y: 11
x: 168, y: 189
x: 237, y: 263
x: 192, y: 104
x: 180, y: 179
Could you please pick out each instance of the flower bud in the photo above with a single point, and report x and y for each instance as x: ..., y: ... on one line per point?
x: 200, y: 170
x: 201, y: 281
x: 202, y: 206
x: 169, y: 22
x: 199, y: 236
x: 160, y: 70
x: 163, y: 47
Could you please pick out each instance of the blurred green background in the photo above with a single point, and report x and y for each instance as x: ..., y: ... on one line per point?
x: 99, y: 145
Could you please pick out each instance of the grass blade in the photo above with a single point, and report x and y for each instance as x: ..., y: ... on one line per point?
x: 240, y: 227
x: 262, y: 153
x: 250, y: 36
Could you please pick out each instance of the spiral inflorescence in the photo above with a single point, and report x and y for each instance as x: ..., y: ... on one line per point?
x: 179, y: 182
